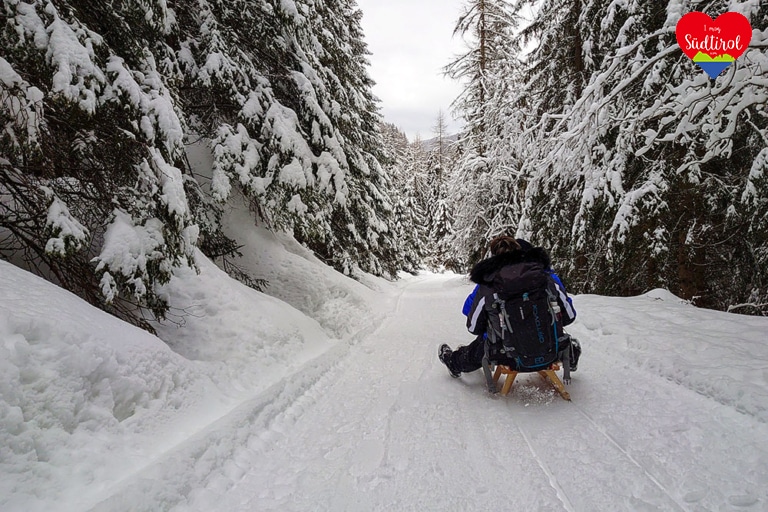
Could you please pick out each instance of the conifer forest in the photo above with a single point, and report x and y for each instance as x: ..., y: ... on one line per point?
x: 586, y: 130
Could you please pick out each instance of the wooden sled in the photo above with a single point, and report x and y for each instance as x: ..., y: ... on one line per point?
x: 548, y: 375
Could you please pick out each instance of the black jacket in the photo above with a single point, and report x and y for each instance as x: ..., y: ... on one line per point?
x: 502, y: 274
x: 486, y: 271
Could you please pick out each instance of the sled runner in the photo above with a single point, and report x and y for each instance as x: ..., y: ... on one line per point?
x: 547, y: 374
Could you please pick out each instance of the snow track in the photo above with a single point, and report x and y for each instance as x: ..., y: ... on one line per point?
x: 218, y: 455
x: 629, y: 456
x: 379, y: 425
x: 213, y: 457
x: 544, y: 466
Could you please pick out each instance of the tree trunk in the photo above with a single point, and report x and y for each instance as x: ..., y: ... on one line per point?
x: 691, y: 268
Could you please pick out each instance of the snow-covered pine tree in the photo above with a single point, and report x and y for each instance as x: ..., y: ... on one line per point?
x: 419, y: 190
x: 360, y: 230
x: 305, y: 144
x: 254, y: 90
x: 441, y: 255
x: 478, y: 185
x: 565, y: 42
x: 396, y: 147
x: 441, y: 142
x: 558, y: 65
x: 98, y: 101
x: 396, y: 151
x: 658, y: 169
x: 92, y: 178
x: 439, y: 209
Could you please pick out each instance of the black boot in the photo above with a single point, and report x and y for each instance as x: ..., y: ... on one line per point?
x: 575, y: 353
x: 446, y: 356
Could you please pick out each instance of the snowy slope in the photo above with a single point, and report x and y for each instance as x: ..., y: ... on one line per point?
x: 293, y: 404
x: 86, y: 400
x: 386, y: 428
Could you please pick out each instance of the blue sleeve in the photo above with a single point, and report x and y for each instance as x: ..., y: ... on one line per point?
x: 557, y: 279
x: 566, y: 302
x: 468, y: 302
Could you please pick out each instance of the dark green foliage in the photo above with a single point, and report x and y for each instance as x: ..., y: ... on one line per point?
x: 98, y: 100
x: 672, y: 212
x: 637, y: 170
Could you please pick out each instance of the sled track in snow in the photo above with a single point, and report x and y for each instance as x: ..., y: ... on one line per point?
x: 213, y: 446
x: 561, y: 494
x: 632, y: 459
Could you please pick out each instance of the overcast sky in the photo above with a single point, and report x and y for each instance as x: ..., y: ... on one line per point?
x: 411, y: 41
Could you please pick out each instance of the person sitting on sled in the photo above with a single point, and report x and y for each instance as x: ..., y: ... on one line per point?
x: 504, y: 250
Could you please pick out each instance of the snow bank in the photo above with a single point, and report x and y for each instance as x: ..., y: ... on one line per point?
x: 77, y: 387
x: 716, y: 354
x: 248, y: 339
x: 341, y: 305
x: 87, y: 400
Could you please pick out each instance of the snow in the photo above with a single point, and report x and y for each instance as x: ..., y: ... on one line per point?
x: 146, y: 92
x: 69, y: 232
x: 8, y: 76
x: 23, y: 114
x: 293, y: 174
x: 234, y: 147
x: 325, y: 393
x: 285, y: 126
x: 759, y: 165
x: 130, y: 249
x: 172, y: 186
x: 296, y: 205
x: 73, y: 61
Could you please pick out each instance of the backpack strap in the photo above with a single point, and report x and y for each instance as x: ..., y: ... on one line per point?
x: 565, y: 358
x: 487, y: 367
x: 554, y: 309
x: 493, y: 337
x: 504, y: 321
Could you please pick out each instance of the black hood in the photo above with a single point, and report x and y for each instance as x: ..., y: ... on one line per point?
x: 483, y: 272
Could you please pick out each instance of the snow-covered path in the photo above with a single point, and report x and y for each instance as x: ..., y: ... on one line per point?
x: 380, y: 425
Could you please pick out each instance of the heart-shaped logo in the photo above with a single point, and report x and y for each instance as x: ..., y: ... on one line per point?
x: 713, y: 44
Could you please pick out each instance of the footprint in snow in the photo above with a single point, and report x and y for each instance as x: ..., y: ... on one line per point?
x: 742, y: 500
x: 694, y: 496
